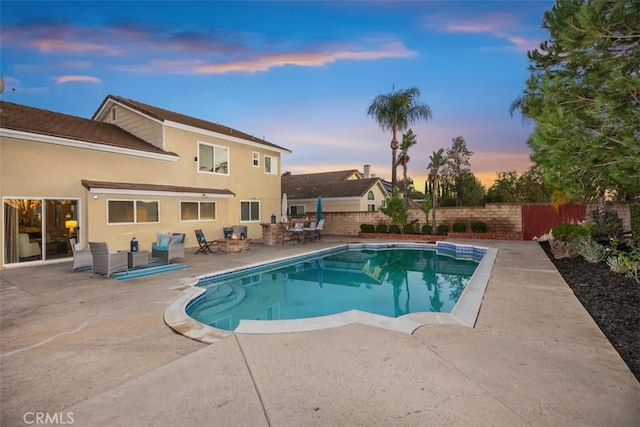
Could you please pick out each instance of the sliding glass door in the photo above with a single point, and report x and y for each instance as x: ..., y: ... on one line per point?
x: 38, y: 229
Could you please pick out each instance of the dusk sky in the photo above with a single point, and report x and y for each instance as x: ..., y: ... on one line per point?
x: 300, y: 74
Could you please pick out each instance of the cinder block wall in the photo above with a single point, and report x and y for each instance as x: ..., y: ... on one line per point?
x: 500, y: 218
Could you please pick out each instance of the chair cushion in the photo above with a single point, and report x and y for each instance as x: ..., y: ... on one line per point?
x: 176, y: 238
x: 163, y: 239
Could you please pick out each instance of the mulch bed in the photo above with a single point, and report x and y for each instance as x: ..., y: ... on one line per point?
x: 611, y: 299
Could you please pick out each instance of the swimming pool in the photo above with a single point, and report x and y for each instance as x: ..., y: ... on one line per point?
x: 287, y: 279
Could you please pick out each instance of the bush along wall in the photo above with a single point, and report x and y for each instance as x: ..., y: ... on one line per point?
x: 393, y: 231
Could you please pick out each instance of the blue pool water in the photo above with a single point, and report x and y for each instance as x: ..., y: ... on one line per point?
x: 387, y: 281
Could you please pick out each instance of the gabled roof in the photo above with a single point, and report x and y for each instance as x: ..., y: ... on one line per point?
x: 310, y: 186
x: 163, y: 115
x: 44, y: 122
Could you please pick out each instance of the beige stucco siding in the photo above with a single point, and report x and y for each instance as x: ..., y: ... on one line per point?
x: 44, y: 170
x: 245, y: 180
x: 379, y: 197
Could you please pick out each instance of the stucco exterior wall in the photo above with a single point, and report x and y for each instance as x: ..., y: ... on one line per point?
x: 30, y: 169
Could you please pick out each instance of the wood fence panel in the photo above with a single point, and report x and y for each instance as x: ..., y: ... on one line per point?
x: 538, y: 219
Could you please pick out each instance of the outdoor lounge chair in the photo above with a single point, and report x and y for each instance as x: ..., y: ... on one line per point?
x: 82, y: 257
x: 169, y: 246
x: 204, y: 245
x: 105, y: 262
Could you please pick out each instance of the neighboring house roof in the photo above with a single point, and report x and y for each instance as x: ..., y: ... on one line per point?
x: 327, y: 184
x: 129, y: 188
x: 33, y: 120
x: 163, y: 115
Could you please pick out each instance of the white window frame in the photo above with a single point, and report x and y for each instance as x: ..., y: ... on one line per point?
x: 273, y: 170
x: 135, y: 211
x: 199, y: 202
x: 250, y: 203
x: 298, y: 208
x: 371, y: 207
x: 213, y: 147
x: 255, y: 159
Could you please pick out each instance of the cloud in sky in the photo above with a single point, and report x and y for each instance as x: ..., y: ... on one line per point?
x: 503, y: 26
x: 307, y: 59
x: 69, y: 79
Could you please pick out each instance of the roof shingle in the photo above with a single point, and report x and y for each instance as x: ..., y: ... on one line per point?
x: 44, y: 122
x: 166, y: 115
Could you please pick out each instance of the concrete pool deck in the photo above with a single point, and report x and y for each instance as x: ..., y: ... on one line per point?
x: 96, y: 352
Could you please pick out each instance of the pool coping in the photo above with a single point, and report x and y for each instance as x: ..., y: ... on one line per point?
x: 464, y: 313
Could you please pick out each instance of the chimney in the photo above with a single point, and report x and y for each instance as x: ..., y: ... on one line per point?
x: 367, y: 171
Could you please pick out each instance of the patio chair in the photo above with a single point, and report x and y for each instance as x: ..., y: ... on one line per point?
x: 318, y: 231
x: 310, y: 231
x: 106, y: 262
x: 298, y: 232
x: 82, y: 257
x: 169, y: 246
x: 204, y: 245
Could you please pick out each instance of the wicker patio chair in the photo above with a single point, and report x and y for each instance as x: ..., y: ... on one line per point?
x: 168, y: 247
x: 81, y: 257
x: 105, y: 262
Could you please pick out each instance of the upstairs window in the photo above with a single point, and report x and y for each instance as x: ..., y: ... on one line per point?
x: 255, y: 158
x: 213, y: 158
x: 270, y: 165
x: 371, y: 196
x: 114, y: 114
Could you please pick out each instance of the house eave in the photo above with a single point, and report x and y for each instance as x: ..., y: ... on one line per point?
x: 224, y: 137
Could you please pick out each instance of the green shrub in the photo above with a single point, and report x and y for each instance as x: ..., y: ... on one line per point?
x: 427, y: 229
x: 590, y: 250
x: 459, y: 227
x: 626, y: 262
x: 610, y: 228
x: 479, y: 226
x: 382, y: 228
x: 408, y: 229
x: 568, y: 232
x: 394, y: 229
x: 443, y: 229
x: 367, y: 228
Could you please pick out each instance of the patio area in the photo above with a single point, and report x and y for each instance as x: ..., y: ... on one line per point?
x: 97, y: 350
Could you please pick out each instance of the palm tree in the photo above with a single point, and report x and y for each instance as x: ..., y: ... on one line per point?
x: 396, y: 111
x: 408, y: 141
x: 436, y: 161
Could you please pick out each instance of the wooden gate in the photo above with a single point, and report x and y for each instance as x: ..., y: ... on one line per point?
x: 538, y: 219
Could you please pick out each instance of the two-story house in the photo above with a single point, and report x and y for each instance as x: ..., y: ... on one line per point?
x: 133, y: 170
